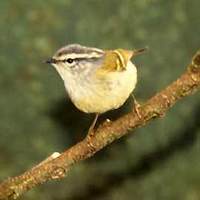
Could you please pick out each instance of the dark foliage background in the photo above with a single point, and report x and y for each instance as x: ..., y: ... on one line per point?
x: 159, y: 161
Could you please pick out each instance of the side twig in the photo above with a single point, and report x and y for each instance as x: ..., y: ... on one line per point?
x: 57, y: 165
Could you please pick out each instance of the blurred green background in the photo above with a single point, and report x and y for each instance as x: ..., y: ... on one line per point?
x: 158, y: 161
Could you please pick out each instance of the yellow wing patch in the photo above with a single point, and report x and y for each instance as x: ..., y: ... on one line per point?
x: 115, y: 60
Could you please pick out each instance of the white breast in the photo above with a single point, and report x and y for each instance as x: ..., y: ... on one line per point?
x: 100, y: 95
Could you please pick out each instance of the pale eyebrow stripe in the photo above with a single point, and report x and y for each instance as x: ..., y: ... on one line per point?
x: 84, y: 55
x: 100, y: 51
x: 81, y: 55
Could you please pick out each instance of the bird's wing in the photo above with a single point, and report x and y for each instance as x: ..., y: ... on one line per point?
x: 115, y: 60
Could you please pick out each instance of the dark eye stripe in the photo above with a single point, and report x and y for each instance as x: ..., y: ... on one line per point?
x: 70, y: 60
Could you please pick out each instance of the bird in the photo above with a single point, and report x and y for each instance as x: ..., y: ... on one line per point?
x: 96, y: 80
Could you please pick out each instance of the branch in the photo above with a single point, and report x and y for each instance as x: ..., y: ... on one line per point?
x: 57, y: 165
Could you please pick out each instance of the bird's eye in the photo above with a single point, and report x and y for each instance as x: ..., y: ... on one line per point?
x: 69, y: 60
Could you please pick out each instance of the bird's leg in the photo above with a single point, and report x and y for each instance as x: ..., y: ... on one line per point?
x: 91, y: 129
x: 136, y: 106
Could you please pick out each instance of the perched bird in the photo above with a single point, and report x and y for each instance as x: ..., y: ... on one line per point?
x: 96, y: 80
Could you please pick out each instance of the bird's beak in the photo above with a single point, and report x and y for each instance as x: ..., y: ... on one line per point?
x: 50, y: 61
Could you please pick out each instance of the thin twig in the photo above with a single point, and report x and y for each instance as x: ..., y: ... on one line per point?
x: 58, y: 166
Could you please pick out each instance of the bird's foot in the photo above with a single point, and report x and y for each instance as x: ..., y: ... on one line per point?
x: 92, y: 126
x: 136, y: 108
